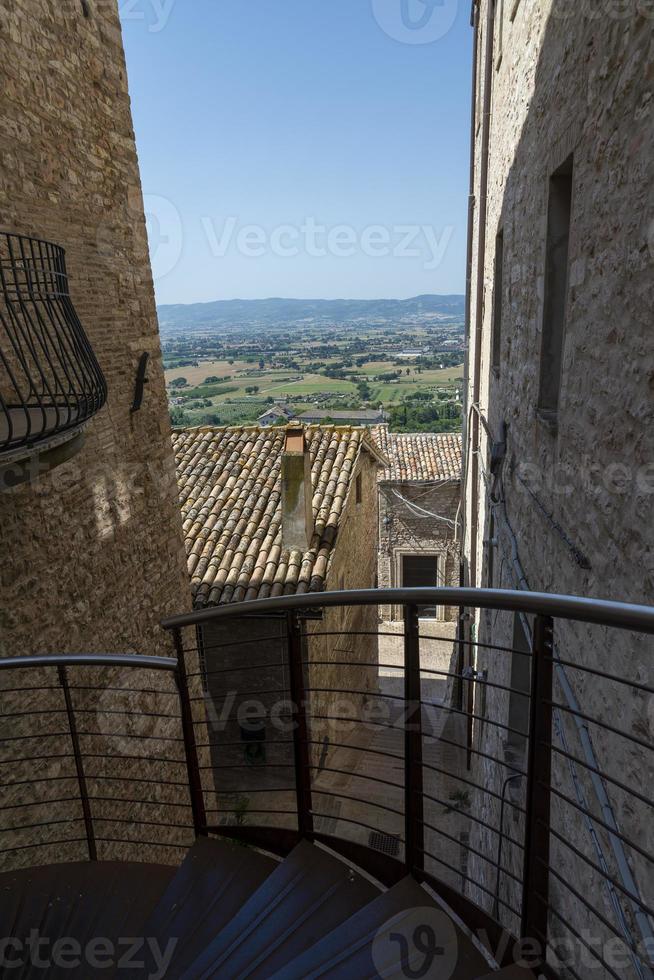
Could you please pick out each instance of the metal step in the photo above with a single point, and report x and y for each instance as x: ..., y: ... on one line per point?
x: 215, y: 880
x: 231, y: 912
x: 380, y: 940
x: 79, y: 902
x: 310, y: 894
x: 509, y: 973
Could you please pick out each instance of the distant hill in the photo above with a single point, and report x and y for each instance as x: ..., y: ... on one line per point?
x: 243, y: 312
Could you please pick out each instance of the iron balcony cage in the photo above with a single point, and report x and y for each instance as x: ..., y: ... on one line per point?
x: 50, y: 380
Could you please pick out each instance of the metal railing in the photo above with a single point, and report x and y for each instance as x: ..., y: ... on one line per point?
x: 521, y: 796
x: 95, y: 753
x: 516, y: 791
x: 50, y: 380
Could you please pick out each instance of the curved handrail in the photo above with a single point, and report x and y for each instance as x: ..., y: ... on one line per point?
x: 90, y: 660
x: 601, y: 612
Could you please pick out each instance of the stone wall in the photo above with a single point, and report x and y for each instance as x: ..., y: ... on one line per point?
x: 403, y: 530
x: 93, y: 554
x: 572, y: 512
x: 353, y: 566
x: 344, y: 668
x: 95, y: 550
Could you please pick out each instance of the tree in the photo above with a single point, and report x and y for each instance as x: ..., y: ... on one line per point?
x: 178, y: 417
x: 211, y: 380
x: 365, y: 391
x: 179, y: 383
x: 262, y: 363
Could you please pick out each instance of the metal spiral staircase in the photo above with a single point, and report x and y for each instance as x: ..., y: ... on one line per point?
x: 126, y: 848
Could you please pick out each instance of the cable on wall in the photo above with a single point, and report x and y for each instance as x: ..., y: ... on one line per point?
x: 622, y: 862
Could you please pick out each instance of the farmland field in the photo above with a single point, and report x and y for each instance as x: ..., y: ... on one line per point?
x: 313, y: 367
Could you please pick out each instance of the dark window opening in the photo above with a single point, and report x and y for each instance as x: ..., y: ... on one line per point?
x: 556, y: 289
x: 421, y: 571
x: 358, y: 491
x: 86, y: 10
x: 498, y: 294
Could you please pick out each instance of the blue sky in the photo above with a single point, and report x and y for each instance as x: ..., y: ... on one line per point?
x: 302, y: 148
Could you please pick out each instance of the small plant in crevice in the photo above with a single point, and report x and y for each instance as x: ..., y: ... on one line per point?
x: 458, y: 802
x: 240, y: 811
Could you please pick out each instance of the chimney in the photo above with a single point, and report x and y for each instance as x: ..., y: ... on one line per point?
x: 297, y: 491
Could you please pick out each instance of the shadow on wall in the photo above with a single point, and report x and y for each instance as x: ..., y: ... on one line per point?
x: 574, y: 228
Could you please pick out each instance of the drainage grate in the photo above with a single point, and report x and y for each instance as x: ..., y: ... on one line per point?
x: 386, y: 843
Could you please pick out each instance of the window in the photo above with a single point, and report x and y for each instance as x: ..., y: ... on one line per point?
x: 498, y: 289
x: 556, y: 289
x: 357, y: 487
x: 421, y: 571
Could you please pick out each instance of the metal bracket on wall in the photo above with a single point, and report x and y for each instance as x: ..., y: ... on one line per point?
x: 141, y: 381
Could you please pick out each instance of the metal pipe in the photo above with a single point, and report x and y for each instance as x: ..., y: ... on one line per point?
x: 474, y: 20
x: 602, y: 612
x: 90, y: 660
x: 481, y: 265
x: 505, y: 784
x: 79, y: 766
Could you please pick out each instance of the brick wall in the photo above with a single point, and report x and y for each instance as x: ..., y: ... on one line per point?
x: 93, y: 554
x: 94, y: 551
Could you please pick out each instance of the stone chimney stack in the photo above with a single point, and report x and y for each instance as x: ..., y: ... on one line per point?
x: 297, y: 491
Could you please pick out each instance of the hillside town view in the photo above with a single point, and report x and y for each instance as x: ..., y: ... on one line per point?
x: 327, y: 490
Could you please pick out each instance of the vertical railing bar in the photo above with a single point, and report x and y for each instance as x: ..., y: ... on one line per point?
x: 79, y: 765
x: 539, y: 776
x: 413, y: 784
x: 300, y: 729
x: 190, y: 746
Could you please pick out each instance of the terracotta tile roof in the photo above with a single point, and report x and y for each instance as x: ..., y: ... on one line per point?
x: 230, y: 493
x: 419, y: 455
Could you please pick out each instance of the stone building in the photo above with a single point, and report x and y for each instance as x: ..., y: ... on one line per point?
x: 560, y: 435
x: 93, y: 551
x: 364, y: 416
x: 96, y: 547
x: 275, y: 413
x: 419, y: 509
x: 272, y: 512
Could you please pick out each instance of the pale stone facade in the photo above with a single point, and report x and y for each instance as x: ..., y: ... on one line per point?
x: 567, y: 505
x: 418, y: 520
x: 419, y: 514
